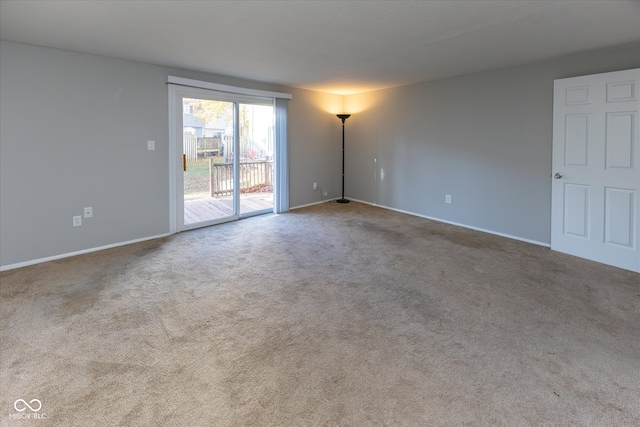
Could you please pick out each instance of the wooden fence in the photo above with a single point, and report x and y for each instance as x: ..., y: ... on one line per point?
x: 190, y: 147
x: 254, y: 177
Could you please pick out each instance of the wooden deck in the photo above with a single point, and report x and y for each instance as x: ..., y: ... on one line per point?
x: 210, y: 208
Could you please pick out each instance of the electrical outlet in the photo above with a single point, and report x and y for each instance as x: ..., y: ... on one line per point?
x: 447, y: 198
x: 151, y: 145
x: 88, y: 212
x: 326, y: 194
x: 315, y: 186
x: 77, y: 221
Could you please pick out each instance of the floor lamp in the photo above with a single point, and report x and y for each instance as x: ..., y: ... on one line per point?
x: 343, y: 117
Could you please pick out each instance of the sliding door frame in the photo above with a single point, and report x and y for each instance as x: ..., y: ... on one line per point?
x: 180, y: 88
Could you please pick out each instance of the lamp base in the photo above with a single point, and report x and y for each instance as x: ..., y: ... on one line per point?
x: 342, y: 201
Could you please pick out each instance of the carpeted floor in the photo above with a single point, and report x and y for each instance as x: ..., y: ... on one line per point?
x: 339, y: 315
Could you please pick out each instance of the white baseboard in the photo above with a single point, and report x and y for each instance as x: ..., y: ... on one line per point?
x: 115, y: 245
x: 84, y: 251
x: 312, y: 204
x: 509, y: 236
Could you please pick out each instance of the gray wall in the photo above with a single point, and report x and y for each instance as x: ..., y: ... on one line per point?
x: 485, y: 139
x: 73, y: 132
x: 315, y: 148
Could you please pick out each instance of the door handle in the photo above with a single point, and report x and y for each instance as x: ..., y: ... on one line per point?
x: 184, y: 162
x: 558, y: 175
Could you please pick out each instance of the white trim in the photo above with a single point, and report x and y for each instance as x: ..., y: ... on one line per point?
x: 226, y: 88
x: 159, y: 236
x: 266, y: 211
x: 236, y: 159
x: 176, y: 177
x: 82, y: 252
x: 315, y: 203
x: 208, y: 223
x: 509, y: 236
x: 173, y: 158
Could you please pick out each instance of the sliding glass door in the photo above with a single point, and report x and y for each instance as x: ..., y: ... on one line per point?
x: 226, y: 152
x: 207, y: 143
x: 256, y: 153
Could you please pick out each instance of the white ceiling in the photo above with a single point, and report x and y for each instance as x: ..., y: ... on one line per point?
x: 333, y: 46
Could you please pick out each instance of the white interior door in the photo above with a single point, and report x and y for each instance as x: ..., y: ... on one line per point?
x: 596, y: 168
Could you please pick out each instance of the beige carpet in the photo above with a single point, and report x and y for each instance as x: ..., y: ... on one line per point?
x: 339, y: 315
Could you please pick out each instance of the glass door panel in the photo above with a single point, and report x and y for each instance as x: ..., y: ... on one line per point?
x: 207, y: 141
x: 256, y: 149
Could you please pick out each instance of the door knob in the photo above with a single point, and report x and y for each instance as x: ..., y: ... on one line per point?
x: 558, y: 175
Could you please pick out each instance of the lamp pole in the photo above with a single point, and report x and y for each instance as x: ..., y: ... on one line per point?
x: 343, y: 117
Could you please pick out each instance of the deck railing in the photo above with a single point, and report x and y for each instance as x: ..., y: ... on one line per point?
x: 255, y: 176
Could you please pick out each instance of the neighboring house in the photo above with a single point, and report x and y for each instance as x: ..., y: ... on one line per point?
x: 193, y: 126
